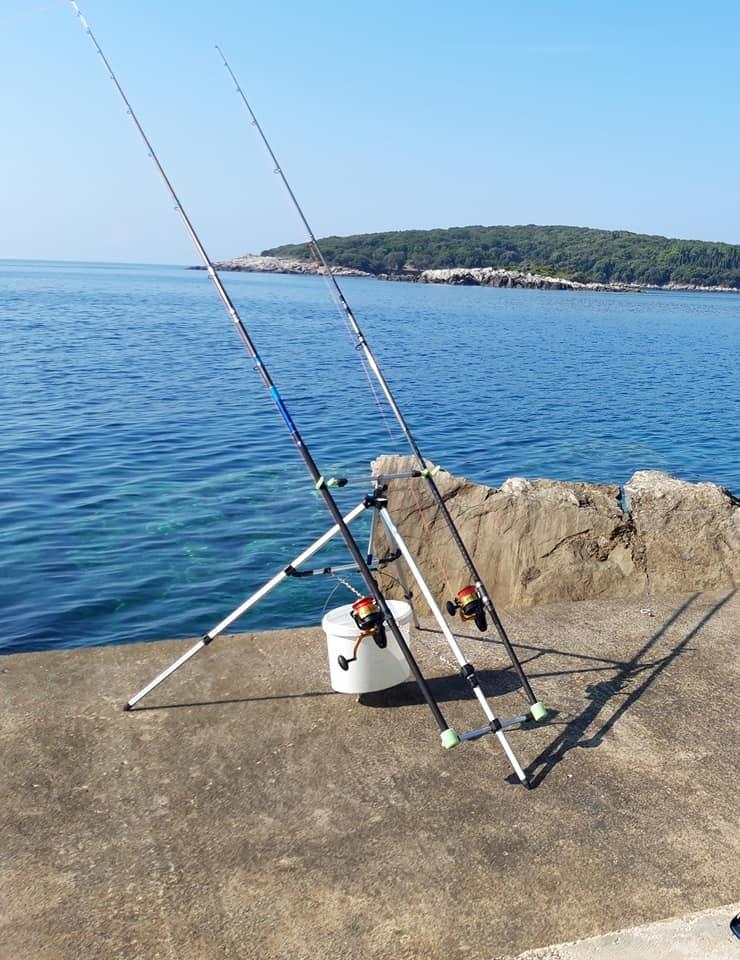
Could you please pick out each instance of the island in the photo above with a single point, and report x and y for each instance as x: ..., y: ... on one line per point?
x: 540, y: 257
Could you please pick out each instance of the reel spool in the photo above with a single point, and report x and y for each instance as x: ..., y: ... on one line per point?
x: 470, y: 604
x: 369, y: 619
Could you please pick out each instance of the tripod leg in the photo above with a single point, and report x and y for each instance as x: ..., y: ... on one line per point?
x: 407, y: 595
x: 370, y: 539
x: 465, y: 668
x: 164, y: 674
x: 250, y: 602
x: 407, y: 592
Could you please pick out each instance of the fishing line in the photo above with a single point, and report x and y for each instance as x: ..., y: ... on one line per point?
x: 393, y: 435
x: 329, y: 598
x: 448, y: 736
x: 335, y: 292
x: 484, y: 597
x: 342, y: 306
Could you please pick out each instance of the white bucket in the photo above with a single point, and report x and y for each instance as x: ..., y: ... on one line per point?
x: 374, y: 669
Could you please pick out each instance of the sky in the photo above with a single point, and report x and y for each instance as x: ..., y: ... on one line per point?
x: 384, y: 116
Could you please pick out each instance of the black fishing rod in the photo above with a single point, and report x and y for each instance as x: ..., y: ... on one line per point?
x: 465, y: 600
x: 448, y: 736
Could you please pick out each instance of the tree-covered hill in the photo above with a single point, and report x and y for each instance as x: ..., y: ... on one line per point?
x: 575, y: 253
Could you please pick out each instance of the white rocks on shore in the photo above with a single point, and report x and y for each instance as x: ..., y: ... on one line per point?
x: 546, y: 541
x: 492, y: 277
x: 251, y: 263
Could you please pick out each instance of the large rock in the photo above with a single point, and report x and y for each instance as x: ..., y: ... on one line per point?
x: 543, y: 541
x: 690, y: 531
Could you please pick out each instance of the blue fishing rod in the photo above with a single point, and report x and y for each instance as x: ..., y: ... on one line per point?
x: 448, y: 736
x: 473, y: 601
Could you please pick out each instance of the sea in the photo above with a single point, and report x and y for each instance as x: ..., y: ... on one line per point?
x: 148, y: 484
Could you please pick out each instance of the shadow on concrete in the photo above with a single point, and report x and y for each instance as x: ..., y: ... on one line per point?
x: 225, y: 702
x: 444, y: 689
x: 537, y: 651
x: 600, y: 694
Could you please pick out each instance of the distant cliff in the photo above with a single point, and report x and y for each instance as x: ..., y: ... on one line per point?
x: 577, y: 254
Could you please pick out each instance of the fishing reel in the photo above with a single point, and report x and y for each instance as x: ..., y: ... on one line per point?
x: 369, y: 619
x: 470, y: 604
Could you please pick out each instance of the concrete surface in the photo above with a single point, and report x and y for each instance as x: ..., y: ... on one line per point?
x: 701, y: 935
x: 247, y: 811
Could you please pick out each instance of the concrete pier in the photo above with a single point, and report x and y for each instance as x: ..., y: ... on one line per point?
x: 244, y: 810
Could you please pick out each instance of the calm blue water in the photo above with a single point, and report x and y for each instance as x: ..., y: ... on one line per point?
x: 148, y: 486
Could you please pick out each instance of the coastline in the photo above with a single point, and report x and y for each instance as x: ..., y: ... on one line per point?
x: 454, y: 276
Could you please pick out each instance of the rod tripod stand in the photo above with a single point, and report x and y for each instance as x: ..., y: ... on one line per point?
x: 378, y: 612
x: 376, y: 501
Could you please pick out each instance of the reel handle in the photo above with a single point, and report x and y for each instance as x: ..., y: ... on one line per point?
x: 344, y: 662
x: 379, y: 636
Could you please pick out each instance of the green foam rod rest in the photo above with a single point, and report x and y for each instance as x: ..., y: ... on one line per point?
x: 538, y: 711
x: 449, y: 738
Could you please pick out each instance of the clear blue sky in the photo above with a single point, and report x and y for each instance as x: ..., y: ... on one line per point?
x: 386, y: 116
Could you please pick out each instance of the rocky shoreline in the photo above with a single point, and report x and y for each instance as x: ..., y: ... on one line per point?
x: 546, y: 541
x: 456, y: 276
x: 251, y: 263
x: 492, y: 277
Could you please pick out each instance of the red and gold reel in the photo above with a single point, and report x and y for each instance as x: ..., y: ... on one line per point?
x: 469, y: 603
x: 366, y: 614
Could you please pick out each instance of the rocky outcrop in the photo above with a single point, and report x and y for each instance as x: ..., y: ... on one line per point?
x: 545, y: 541
x: 251, y: 263
x: 457, y: 276
x: 690, y: 532
x: 492, y: 277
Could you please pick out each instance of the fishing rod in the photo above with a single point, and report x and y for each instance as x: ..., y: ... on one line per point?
x: 448, y: 736
x: 473, y: 602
